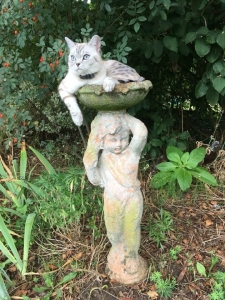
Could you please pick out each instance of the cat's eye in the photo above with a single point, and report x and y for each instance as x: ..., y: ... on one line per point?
x: 73, y: 57
x: 86, y: 56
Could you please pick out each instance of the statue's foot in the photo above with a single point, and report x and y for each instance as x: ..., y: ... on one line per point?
x: 128, y: 270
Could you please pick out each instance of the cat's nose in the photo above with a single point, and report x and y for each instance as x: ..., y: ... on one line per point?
x: 77, y: 64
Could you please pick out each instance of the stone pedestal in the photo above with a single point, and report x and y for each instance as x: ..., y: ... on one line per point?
x: 111, y: 161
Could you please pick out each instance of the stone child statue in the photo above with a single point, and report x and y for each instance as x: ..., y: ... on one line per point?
x: 111, y: 161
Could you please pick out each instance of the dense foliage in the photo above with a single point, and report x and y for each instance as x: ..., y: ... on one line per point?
x: 177, y: 44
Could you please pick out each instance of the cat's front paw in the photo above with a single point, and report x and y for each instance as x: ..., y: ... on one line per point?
x: 109, y: 84
x: 77, y: 117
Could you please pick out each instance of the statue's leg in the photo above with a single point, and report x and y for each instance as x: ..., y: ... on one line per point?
x: 135, y: 264
x: 122, y: 220
x: 131, y: 225
x: 114, y: 219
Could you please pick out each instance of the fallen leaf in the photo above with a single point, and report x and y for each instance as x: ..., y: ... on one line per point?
x: 198, y: 256
x: 32, y: 258
x: 52, y: 267
x: 208, y: 222
x: 78, y: 255
x: 152, y: 294
x: 182, y: 273
x: 214, y: 202
x: 181, y: 215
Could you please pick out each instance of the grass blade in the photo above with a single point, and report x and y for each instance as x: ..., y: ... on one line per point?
x: 10, y: 196
x: 30, y: 186
x: 3, y: 291
x: 7, y: 253
x: 27, y: 235
x: 44, y: 161
x: 23, y: 161
x: 10, y: 244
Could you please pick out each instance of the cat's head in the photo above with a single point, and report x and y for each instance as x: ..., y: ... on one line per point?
x: 85, y: 58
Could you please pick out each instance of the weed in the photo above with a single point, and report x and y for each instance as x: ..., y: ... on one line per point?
x: 218, y: 291
x: 174, y: 252
x: 202, y: 270
x: 66, y: 198
x: 160, y: 226
x: 14, y: 187
x: 92, y: 225
x: 181, y: 168
x: 163, y: 287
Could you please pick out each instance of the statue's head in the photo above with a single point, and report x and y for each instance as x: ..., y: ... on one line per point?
x: 113, y: 132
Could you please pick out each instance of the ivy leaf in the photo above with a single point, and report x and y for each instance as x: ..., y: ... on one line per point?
x: 212, y: 36
x: 141, y: 9
x: 142, y: 18
x: 221, y: 40
x: 107, y: 7
x: 156, y: 143
x: 218, y: 84
x: 167, y: 4
x: 184, y: 178
x: 136, y: 26
x: 163, y: 15
x: 202, y: 47
x: 190, y: 37
x: 202, y: 31
x: 132, y: 21
x: 151, y: 5
x: 200, y: 89
x: 214, y: 54
x: 170, y: 43
x: 219, y: 67
x: 212, y: 96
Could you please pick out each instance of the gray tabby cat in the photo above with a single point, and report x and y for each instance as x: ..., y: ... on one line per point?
x: 87, y: 67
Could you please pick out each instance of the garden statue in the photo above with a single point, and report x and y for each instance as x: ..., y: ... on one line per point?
x: 111, y: 161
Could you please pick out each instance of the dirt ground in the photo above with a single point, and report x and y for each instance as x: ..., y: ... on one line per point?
x: 198, y: 228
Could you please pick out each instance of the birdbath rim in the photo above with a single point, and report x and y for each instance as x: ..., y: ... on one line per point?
x: 122, y: 97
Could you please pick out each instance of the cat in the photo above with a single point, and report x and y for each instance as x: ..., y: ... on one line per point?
x: 87, y: 67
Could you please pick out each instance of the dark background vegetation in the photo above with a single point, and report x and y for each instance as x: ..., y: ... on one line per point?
x: 178, y: 45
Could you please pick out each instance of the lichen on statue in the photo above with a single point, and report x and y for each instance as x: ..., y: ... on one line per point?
x: 111, y: 161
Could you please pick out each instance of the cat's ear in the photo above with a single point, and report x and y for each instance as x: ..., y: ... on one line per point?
x: 70, y: 43
x: 95, y: 42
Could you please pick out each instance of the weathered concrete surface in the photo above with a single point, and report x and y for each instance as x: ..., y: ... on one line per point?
x: 122, y: 97
x: 111, y: 161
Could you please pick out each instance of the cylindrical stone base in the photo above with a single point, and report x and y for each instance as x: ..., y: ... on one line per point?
x: 126, y: 271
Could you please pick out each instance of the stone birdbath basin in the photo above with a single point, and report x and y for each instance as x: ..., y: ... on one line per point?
x: 111, y: 161
x: 122, y: 97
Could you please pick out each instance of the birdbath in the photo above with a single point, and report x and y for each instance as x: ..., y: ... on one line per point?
x: 111, y: 161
